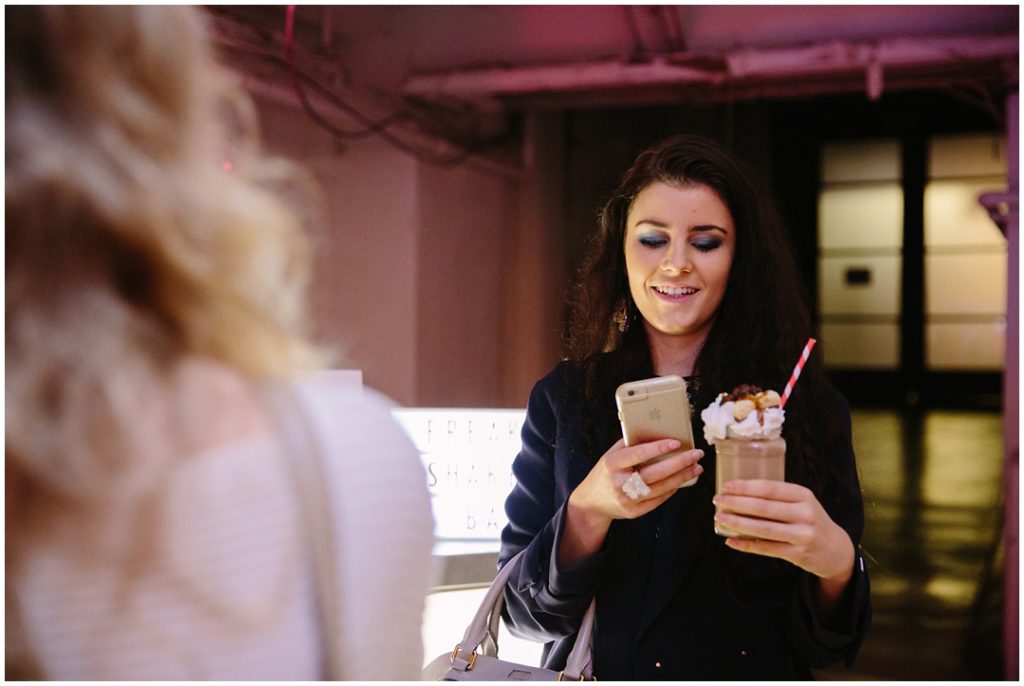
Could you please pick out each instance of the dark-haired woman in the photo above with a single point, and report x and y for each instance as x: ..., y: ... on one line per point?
x: 689, y: 274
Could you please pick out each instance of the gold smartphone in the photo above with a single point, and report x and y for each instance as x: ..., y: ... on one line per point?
x: 656, y: 408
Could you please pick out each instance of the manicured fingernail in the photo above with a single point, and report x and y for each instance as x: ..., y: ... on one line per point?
x: 715, y: 500
x: 698, y: 469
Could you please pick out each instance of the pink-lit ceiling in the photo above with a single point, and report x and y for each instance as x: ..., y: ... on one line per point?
x: 580, y: 55
x: 389, y: 43
x: 436, y: 38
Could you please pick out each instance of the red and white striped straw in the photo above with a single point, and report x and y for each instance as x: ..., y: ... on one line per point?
x: 796, y: 370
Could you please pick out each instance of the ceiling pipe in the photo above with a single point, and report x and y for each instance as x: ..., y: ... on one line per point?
x: 744, y: 66
x: 634, y: 31
x: 669, y: 26
x: 678, y: 26
x: 563, y: 77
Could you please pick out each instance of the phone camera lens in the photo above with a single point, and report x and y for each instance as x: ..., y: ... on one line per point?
x: 632, y: 392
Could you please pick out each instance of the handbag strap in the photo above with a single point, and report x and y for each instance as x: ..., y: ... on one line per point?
x: 483, y: 629
x: 305, y: 465
x: 579, y: 664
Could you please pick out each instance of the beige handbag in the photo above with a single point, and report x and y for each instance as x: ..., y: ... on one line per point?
x: 475, y: 657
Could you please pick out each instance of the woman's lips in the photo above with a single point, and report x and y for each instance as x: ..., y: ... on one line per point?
x: 674, y: 293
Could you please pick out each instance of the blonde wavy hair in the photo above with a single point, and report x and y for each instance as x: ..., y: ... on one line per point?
x: 143, y: 226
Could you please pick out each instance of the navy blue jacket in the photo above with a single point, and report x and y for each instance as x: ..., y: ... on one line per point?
x: 673, y: 602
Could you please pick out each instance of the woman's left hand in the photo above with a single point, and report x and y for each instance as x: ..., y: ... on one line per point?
x: 786, y: 521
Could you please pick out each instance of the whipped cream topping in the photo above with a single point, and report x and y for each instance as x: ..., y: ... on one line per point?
x: 720, y: 422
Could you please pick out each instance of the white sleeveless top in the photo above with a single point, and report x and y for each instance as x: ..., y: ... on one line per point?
x: 232, y: 596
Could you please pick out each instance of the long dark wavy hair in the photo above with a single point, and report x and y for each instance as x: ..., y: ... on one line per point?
x: 761, y: 325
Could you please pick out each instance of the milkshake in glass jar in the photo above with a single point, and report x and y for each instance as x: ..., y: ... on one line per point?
x: 745, y: 427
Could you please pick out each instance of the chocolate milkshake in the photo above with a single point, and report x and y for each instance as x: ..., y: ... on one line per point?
x: 745, y: 427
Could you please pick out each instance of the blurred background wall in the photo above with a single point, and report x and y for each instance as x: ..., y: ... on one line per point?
x: 464, y: 152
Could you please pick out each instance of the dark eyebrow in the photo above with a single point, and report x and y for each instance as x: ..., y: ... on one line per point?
x: 658, y: 224
x: 708, y: 227
x: 653, y: 222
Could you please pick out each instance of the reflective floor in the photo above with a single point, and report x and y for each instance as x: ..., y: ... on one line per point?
x: 932, y: 484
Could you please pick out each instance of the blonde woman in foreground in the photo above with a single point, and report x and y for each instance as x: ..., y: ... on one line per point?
x: 155, y: 302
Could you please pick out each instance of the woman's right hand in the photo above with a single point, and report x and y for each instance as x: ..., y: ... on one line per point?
x: 599, y: 499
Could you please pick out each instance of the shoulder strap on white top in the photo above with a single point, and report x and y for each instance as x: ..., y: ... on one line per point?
x: 304, y: 458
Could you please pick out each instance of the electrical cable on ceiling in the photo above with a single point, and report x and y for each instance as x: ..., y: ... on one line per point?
x: 294, y: 74
x: 378, y: 128
x: 278, y: 61
x: 977, y: 95
x: 274, y: 57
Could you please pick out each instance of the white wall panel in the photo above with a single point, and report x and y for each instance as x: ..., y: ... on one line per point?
x: 881, y: 296
x: 965, y: 284
x: 877, y: 160
x: 962, y: 155
x: 954, y: 217
x: 861, y: 346
x: 965, y: 347
x: 861, y: 216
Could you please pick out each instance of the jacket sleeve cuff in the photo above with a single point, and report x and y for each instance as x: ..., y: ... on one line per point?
x: 843, y: 639
x: 579, y: 578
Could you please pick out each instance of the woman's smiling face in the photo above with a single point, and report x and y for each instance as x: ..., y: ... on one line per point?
x: 679, y: 246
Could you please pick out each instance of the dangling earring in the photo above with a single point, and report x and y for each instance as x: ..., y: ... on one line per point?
x: 621, y: 316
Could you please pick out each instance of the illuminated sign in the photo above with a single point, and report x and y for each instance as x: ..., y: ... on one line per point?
x: 468, y: 457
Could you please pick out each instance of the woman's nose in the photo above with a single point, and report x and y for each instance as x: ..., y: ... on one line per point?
x: 676, y: 261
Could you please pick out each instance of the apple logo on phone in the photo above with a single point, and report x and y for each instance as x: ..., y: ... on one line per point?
x: 655, y: 414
